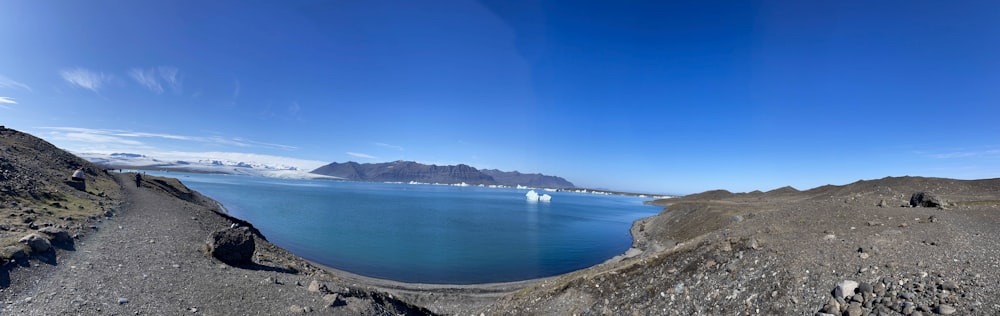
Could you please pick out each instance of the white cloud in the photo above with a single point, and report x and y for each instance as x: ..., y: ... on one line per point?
x: 99, y: 136
x: 155, y: 78
x: 965, y: 153
x: 361, y: 155
x: 11, y: 84
x: 7, y: 100
x: 85, y: 78
x: 389, y: 146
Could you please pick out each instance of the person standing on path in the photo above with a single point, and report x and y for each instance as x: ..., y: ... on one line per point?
x: 138, y: 179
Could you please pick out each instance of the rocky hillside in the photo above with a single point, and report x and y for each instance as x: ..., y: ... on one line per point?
x: 527, y: 179
x: 894, y: 246
x: 36, y: 191
x: 406, y: 171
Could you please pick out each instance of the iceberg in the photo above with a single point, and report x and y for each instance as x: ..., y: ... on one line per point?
x: 532, y: 196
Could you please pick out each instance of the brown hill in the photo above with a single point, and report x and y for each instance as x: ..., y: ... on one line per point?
x: 36, y: 191
x: 783, y: 252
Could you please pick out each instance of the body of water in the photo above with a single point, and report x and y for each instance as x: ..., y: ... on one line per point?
x: 429, y: 233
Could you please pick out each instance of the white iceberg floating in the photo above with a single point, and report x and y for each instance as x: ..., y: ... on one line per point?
x: 533, y: 196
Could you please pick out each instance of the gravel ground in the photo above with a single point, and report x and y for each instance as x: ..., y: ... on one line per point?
x: 784, y: 252
x: 148, y: 260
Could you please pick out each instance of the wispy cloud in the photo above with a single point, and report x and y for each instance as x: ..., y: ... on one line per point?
x: 361, y: 155
x: 11, y: 84
x: 90, y: 135
x: 6, y: 100
x: 389, y: 146
x: 962, y: 154
x: 156, y: 78
x: 86, y: 79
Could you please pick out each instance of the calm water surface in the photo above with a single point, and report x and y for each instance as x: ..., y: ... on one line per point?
x: 429, y: 233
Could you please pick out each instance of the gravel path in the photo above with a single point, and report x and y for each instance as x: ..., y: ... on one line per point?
x: 147, y: 260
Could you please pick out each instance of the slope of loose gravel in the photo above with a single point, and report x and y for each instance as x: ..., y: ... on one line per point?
x: 147, y: 260
x: 783, y: 252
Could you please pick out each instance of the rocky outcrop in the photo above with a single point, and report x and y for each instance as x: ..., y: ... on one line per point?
x: 234, y: 246
x: 36, y: 243
x: 925, y: 199
x: 58, y: 235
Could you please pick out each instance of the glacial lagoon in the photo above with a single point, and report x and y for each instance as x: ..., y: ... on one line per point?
x: 423, y: 233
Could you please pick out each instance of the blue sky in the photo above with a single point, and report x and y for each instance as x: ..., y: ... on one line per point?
x: 651, y: 96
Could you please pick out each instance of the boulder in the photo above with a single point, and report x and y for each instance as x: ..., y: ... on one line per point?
x: 36, y: 242
x: 234, y: 246
x: 58, y: 235
x: 13, y: 253
x: 925, y: 199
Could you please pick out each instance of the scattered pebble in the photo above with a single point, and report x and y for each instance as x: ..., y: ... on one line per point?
x: 122, y: 301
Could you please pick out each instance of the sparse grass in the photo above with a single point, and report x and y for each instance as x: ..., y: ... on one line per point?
x: 986, y: 203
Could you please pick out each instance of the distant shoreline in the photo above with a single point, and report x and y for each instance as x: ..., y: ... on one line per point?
x: 322, y: 177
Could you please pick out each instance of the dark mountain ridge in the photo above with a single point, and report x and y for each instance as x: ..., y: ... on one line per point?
x: 406, y: 171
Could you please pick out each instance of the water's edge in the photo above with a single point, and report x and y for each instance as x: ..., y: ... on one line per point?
x: 490, y: 289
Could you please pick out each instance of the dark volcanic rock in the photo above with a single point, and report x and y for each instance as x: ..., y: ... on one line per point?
x: 925, y: 199
x: 36, y: 242
x: 58, y: 235
x: 234, y: 246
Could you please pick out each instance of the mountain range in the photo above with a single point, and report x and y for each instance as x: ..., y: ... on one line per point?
x: 407, y: 171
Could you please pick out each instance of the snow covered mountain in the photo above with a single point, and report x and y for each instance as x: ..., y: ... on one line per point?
x: 211, y: 162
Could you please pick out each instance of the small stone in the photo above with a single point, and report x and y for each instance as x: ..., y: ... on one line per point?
x: 858, y: 298
x: 879, y: 288
x: 296, y: 309
x: 854, y: 310
x: 333, y: 300
x: 865, y: 287
x: 945, y: 309
x: 832, y: 306
x: 122, y: 301
x: 932, y: 219
x: 829, y: 237
x: 315, y: 286
x: 845, y: 289
x: 949, y: 286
